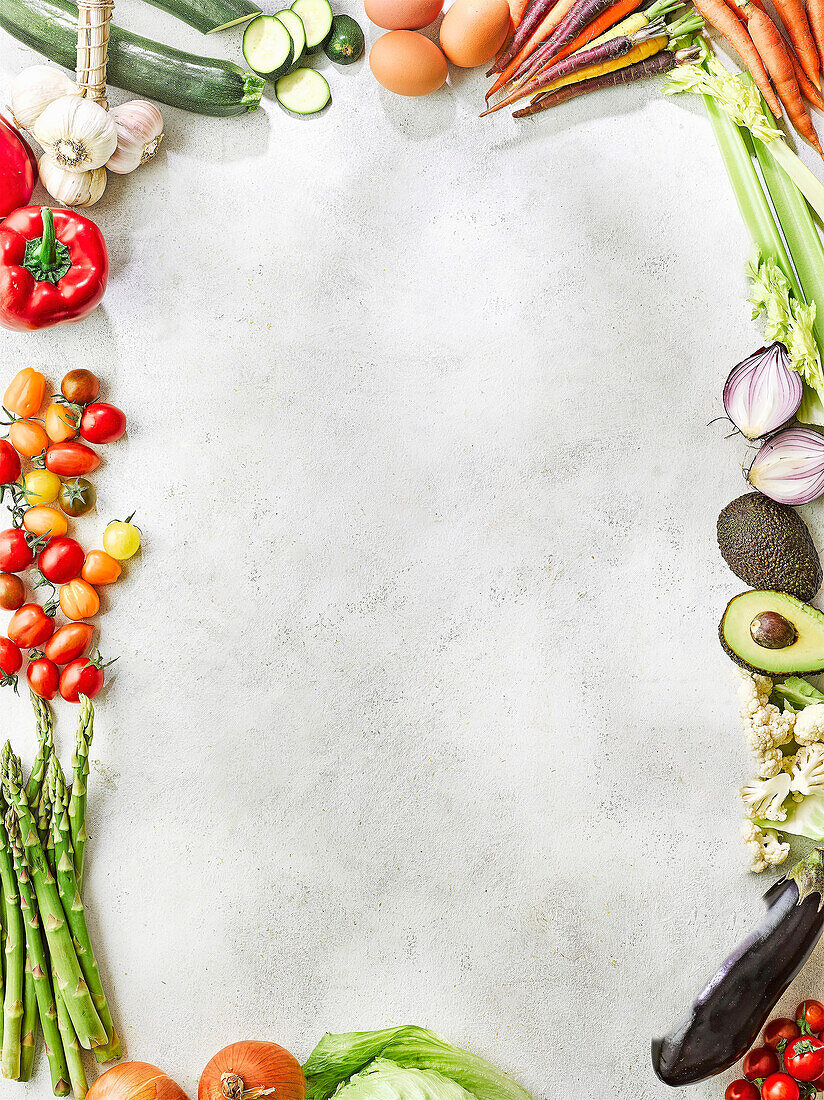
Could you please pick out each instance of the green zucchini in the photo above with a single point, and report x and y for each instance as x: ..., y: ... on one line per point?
x: 209, y: 16
x: 303, y: 92
x: 346, y: 44
x: 317, y: 19
x: 150, y: 69
x: 294, y: 25
x: 268, y: 47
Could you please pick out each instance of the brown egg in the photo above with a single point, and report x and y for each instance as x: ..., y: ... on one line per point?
x: 473, y: 31
x: 403, y: 15
x: 406, y: 63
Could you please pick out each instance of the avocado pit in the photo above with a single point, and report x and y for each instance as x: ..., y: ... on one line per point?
x: 772, y: 631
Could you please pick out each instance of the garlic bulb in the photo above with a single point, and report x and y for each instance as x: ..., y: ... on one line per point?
x: 71, y: 188
x: 34, y: 89
x: 139, y: 133
x: 77, y: 133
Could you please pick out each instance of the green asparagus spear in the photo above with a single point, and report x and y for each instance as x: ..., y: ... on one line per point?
x: 30, y: 1022
x: 39, y: 962
x: 71, y: 1047
x: 15, y: 961
x: 45, y: 748
x: 73, y: 905
x: 71, y: 982
x: 80, y: 778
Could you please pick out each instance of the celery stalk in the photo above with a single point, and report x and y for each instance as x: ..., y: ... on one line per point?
x: 752, y: 202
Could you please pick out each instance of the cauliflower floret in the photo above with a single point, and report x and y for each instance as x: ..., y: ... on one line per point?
x: 764, y: 798
x: 807, y: 771
x: 765, y: 727
x: 809, y: 725
x: 763, y: 847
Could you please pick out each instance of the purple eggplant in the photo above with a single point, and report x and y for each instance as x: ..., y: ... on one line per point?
x: 731, y: 1009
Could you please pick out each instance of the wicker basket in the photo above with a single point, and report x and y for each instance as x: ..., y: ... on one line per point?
x: 93, y: 20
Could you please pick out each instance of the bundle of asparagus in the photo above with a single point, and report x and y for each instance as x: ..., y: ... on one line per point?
x: 50, y: 977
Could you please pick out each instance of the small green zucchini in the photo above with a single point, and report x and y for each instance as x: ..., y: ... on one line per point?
x: 209, y: 16
x: 200, y: 84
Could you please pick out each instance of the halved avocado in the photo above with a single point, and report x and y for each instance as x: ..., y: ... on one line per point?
x: 773, y: 633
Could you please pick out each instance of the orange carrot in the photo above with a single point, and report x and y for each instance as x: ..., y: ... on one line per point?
x: 718, y: 15
x: 543, y: 32
x: 815, y: 15
x: 769, y: 43
x: 808, y: 90
x: 517, y: 9
x: 798, y: 28
x: 607, y: 19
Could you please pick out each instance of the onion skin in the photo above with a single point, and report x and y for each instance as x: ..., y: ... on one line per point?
x: 263, y: 1069
x: 135, y: 1081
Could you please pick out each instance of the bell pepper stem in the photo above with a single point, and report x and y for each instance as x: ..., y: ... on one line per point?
x: 48, y: 242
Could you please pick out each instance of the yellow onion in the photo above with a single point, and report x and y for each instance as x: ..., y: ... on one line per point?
x: 251, y: 1070
x: 135, y: 1081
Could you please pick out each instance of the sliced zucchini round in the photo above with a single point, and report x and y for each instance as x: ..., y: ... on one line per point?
x: 268, y: 46
x: 303, y: 92
x: 294, y: 25
x: 317, y: 19
x: 346, y: 44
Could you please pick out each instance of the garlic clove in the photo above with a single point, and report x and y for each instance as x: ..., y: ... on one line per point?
x: 71, y: 188
x: 139, y: 133
x: 34, y: 89
x: 77, y: 133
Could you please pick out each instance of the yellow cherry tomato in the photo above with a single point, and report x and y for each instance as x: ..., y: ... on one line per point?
x: 61, y: 423
x: 121, y: 539
x: 78, y: 600
x: 100, y: 568
x: 40, y: 487
x: 44, y: 520
x: 25, y: 392
x: 28, y: 438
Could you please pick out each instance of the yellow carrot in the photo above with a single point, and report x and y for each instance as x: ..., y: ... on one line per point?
x: 635, y: 22
x: 641, y: 52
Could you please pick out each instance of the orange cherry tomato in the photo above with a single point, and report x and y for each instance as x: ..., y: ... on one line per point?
x: 43, y: 520
x: 69, y: 642
x: 78, y: 600
x: 25, y: 392
x: 28, y: 438
x: 12, y: 591
x: 61, y: 423
x: 100, y: 568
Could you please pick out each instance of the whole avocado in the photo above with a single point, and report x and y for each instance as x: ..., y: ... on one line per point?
x: 768, y: 546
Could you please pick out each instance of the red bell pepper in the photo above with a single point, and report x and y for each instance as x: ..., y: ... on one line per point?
x: 18, y: 169
x: 53, y: 267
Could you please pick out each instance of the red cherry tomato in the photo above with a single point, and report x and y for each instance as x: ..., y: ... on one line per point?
x: 810, y: 1013
x: 15, y: 554
x: 778, y: 1029
x: 81, y: 677
x: 69, y: 642
x: 760, y: 1062
x: 10, y: 658
x: 71, y: 459
x: 12, y: 592
x: 43, y: 677
x: 9, y: 463
x: 102, y: 423
x: 741, y: 1090
x: 780, y: 1086
x: 62, y: 560
x: 804, y: 1058
x: 30, y: 626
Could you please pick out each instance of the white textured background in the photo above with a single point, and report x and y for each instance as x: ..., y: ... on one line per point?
x: 420, y: 714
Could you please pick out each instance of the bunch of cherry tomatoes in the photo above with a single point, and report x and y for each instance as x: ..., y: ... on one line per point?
x: 790, y: 1063
x: 53, y: 488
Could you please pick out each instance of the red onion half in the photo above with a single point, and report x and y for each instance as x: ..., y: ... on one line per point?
x: 763, y: 392
x: 789, y: 467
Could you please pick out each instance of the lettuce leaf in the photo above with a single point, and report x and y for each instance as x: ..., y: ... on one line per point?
x: 385, y: 1080
x: 338, y: 1059
x: 804, y: 818
x: 798, y: 693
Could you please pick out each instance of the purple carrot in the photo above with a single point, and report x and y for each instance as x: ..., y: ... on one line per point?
x: 595, y: 55
x: 580, y: 15
x: 532, y: 19
x: 653, y: 66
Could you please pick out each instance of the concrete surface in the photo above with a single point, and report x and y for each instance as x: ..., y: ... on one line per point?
x: 419, y: 714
